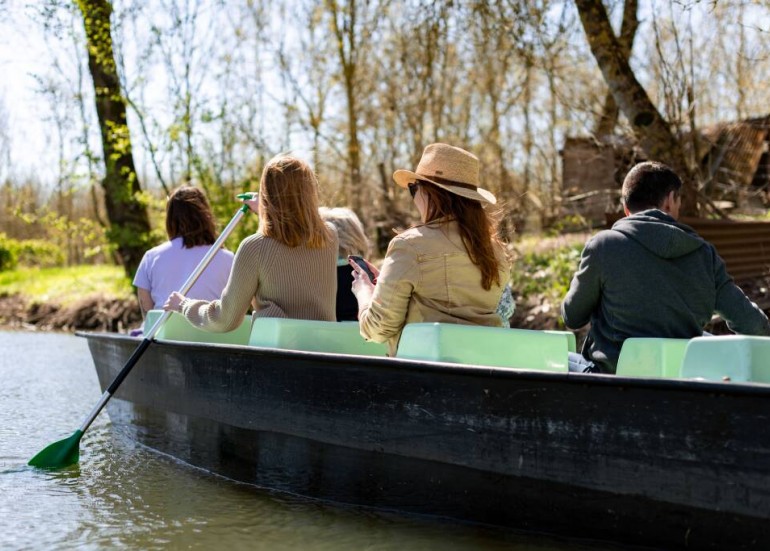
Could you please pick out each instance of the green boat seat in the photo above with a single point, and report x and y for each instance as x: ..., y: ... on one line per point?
x: 736, y: 358
x: 646, y: 357
x: 177, y: 328
x: 313, y: 336
x: 571, y: 340
x: 492, y: 346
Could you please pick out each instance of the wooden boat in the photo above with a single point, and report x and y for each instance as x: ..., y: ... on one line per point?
x: 649, y: 461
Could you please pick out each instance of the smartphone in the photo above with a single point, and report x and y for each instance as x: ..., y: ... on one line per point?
x: 361, y: 263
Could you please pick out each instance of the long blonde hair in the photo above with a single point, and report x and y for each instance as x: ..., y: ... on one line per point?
x: 288, y: 199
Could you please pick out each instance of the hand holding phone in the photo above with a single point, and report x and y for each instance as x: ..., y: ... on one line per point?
x: 358, y: 262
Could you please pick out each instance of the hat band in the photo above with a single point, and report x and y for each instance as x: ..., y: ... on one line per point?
x: 446, y: 182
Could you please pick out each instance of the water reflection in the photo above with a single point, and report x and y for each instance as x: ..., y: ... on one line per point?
x: 138, y: 498
x: 125, y: 496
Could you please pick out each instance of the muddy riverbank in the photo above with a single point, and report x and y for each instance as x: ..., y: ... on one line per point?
x: 99, y: 312
x: 91, y: 313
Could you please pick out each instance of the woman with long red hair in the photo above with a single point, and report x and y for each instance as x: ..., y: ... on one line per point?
x: 450, y: 268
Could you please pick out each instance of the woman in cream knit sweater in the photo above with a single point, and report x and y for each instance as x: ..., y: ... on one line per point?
x: 288, y: 269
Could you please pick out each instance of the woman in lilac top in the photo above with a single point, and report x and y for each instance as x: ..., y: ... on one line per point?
x: 191, y: 232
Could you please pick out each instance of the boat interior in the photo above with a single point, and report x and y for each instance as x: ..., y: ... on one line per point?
x: 731, y: 358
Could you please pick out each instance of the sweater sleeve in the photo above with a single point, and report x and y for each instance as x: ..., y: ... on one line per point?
x: 742, y: 315
x: 226, y: 314
x: 386, y: 314
x: 585, y: 289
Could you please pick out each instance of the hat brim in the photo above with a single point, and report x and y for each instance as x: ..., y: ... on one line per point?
x: 405, y: 177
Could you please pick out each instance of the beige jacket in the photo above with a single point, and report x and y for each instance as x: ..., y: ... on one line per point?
x: 428, y: 277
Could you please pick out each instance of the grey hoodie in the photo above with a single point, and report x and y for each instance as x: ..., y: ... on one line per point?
x: 650, y: 276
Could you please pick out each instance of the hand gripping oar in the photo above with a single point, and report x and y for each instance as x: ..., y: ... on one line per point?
x: 66, y: 452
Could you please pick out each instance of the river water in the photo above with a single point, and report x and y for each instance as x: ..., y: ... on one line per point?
x: 123, y: 495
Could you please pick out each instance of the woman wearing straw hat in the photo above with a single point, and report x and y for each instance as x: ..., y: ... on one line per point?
x: 451, y: 268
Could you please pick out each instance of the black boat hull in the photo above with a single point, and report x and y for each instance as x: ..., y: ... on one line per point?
x: 664, y: 463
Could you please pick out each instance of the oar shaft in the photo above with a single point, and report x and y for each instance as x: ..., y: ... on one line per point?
x: 106, y: 395
x: 139, y: 351
x: 191, y: 279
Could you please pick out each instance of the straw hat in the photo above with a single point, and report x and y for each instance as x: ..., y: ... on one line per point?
x: 449, y: 168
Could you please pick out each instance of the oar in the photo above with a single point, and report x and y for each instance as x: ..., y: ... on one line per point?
x: 66, y: 452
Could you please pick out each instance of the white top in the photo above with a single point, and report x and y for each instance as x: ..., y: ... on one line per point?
x: 165, y: 268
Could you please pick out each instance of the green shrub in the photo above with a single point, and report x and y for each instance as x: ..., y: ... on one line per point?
x: 39, y: 253
x: 28, y: 252
x: 7, y: 253
x: 546, y: 273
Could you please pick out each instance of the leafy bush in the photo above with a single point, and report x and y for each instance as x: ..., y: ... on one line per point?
x: 39, y: 253
x: 546, y: 273
x: 28, y: 252
x: 7, y: 253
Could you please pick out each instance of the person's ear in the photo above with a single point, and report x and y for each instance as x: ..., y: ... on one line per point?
x: 668, y: 202
x: 625, y: 209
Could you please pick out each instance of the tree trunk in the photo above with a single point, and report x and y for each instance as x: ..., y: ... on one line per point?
x: 348, y: 43
x: 608, y: 118
x: 129, y: 222
x: 652, y: 131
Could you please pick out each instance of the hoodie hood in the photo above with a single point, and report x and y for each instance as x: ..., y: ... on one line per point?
x: 659, y: 233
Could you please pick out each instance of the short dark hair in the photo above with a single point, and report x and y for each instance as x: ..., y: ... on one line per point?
x: 647, y: 185
x: 189, y: 216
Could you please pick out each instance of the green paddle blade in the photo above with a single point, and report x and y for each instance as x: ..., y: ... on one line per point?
x: 59, y: 454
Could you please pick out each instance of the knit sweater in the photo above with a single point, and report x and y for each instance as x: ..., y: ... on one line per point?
x: 280, y: 282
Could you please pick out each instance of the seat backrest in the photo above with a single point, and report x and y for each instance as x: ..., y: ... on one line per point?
x: 177, y: 328
x: 736, y: 358
x: 490, y: 346
x: 313, y: 336
x: 646, y: 357
x: 570, y: 336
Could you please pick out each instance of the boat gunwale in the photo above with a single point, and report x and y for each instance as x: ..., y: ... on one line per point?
x: 399, y: 364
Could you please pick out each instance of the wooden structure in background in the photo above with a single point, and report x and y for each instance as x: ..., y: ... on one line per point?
x: 734, y: 163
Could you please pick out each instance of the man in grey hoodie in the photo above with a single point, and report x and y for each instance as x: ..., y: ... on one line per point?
x: 650, y: 276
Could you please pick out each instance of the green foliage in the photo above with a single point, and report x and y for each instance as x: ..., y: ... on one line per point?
x: 61, y: 240
x: 36, y: 252
x: 28, y: 252
x: 568, y: 223
x: 546, y: 273
x: 224, y: 204
x: 7, y: 256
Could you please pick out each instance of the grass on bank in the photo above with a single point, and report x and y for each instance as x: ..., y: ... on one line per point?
x: 542, y: 269
x: 66, y: 284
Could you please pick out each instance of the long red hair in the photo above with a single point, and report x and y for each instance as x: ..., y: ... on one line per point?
x: 478, y: 229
